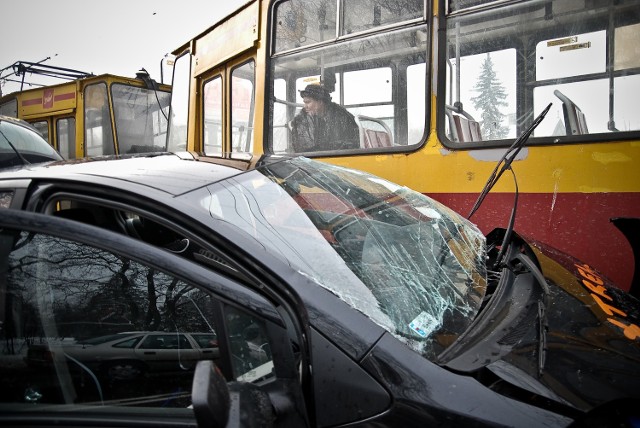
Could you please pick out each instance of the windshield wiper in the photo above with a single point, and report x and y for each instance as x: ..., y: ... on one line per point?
x: 542, y: 308
x: 22, y: 158
x: 503, y: 165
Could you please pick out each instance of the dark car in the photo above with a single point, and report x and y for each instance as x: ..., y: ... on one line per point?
x: 337, y: 298
x: 21, y: 144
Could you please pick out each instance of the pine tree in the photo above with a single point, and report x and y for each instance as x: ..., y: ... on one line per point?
x: 491, y: 96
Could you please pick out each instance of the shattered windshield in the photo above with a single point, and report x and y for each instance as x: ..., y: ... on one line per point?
x: 407, y: 262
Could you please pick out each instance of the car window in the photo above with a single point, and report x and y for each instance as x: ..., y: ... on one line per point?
x: 84, y: 325
x: 131, y: 343
x: 165, y: 341
x: 139, y: 227
x: 251, y: 354
x: 206, y: 341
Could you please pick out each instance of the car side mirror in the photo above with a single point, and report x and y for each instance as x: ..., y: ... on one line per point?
x: 210, y: 396
x: 217, y: 404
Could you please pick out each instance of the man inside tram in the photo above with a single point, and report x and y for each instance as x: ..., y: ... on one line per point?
x: 323, y: 124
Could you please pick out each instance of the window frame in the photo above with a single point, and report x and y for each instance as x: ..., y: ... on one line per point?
x: 226, y: 291
x: 525, y: 87
x: 399, y: 74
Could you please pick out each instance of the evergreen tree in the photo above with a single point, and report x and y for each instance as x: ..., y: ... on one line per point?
x: 491, y: 96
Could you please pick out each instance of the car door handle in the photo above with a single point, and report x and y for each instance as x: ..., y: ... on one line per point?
x: 149, y: 353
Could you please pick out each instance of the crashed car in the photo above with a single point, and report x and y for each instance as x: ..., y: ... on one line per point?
x: 338, y: 298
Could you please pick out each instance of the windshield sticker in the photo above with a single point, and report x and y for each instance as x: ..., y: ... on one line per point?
x: 424, y: 324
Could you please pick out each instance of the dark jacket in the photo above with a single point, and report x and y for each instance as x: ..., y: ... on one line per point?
x: 337, y: 130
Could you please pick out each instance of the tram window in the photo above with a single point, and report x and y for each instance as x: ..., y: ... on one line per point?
x: 626, y: 87
x: 362, y: 15
x: 456, y: 5
x: 97, y: 121
x: 416, y: 93
x: 179, y: 112
x: 10, y: 108
x: 43, y: 127
x: 581, y: 57
x: 358, y: 86
x: 571, y: 56
x: 625, y: 106
x: 140, y: 116
x: 280, y: 123
x: 487, y: 95
x: 242, y: 107
x: 212, y: 138
x: 367, y: 76
x: 66, y: 133
x: 302, y: 22
x: 627, y: 39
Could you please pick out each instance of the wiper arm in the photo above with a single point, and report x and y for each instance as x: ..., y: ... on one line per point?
x: 506, y: 161
x: 508, y: 158
x: 22, y: 158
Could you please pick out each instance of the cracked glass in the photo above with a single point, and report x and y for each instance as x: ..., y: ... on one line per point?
x: 410, y: 264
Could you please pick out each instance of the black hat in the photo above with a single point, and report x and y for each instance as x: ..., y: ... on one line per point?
x: 315, y: 91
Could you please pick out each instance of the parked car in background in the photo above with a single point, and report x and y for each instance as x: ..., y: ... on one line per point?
x: 21, y: 144
x: 337, y: 298
x: 128, y: 356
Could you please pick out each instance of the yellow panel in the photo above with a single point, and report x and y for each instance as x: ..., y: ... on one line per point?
x: 591, y: 168
x: 47, y: 101
x: 58, y: 113
x: 231, y: 38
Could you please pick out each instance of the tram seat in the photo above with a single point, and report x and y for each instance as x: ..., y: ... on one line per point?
x: 374, y: 132
x: 575, y: 122
x: 463, y: 128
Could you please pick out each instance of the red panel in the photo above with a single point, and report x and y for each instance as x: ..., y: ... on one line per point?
x: 67, y: 96
x: 575, y: 223
x: 31, y: 102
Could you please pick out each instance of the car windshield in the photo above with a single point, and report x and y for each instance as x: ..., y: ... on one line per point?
x: 32, y: 148
x: 410, y: 264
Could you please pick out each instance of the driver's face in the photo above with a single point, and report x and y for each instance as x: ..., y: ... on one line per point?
x: 313, y: 106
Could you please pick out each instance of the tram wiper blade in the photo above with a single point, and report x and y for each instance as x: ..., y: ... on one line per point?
x: 507, y: 159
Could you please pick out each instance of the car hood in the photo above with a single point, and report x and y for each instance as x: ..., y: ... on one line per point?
x: 577, y: 344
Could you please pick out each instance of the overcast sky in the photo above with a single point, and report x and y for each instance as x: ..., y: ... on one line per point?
x: 116, y: 37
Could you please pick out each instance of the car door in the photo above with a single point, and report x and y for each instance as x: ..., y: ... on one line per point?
x: 63, y: 282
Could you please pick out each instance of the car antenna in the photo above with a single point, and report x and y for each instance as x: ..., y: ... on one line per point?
x: 503, y: 165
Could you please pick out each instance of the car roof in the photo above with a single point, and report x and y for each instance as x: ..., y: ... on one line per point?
x: 19, y: 122
x: 172, y: 173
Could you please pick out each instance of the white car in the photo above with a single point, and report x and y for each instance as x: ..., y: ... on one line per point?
x: 130, y: 355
